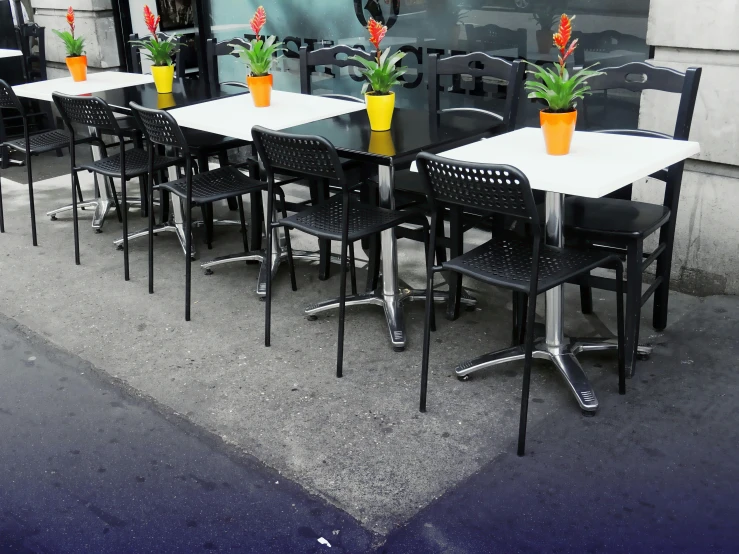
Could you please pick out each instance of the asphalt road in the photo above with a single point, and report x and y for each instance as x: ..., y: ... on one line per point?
x: 86, y: 466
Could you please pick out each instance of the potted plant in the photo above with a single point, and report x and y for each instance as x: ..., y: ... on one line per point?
x: 76, y: 60
x: 381, y: 74
x: 259, y: 56
x: 545, y: 16
x: 560, y: 91
x: 160, y: 51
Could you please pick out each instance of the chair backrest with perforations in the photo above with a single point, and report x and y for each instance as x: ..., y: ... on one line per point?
x: 86, y: 110
x: 478, y: 64
x: 8, y: 99
x: 159, y: 127
x: 333, y: 56
x: 307, y: 155
x: 489, y: 188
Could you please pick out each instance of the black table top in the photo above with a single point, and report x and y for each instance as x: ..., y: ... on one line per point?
x: 412, y: 131
x: 185, y: 92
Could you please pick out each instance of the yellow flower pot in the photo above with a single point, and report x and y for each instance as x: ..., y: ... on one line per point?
x: 380, y: 110
x: 163, y: 78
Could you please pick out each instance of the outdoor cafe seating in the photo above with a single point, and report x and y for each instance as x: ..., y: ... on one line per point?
x: 436, y: 173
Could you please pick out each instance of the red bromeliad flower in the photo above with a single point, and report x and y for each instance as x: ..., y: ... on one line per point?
x: 151, y: 22
x: 377, y: 32
x: 258, y: 21
x: 70, y: 19
x: 562, y: 37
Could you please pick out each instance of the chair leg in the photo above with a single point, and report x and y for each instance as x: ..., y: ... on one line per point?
x: 620, y: 325
x: 288, y: 245
x: 440, y: 233
x: 268, y: 296
x: 586, y: 298
x: 352, y: 268
x: 373, y: 263
x: 207, y: 210
x: 150, y: 200
x: 256, y: 220
x: 124, y: 212
x: 664, y: 268
x: 30, y: 198
x: 188, y: 257
x: 427, y: 338
x: 75, y: 218
x: 2, y: 217
x: 342, y: 310
x: 529, y: 349
x: 633, y: 304
x: 455, y: 279
x: 244, y: 237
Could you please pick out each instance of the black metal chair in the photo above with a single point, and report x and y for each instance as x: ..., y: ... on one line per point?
x: 333, y: 57
x: 204, y: 187
x: 32, y: 144
x: 203, y: 144
x: 409, y: 187
x: 342, y: 218
x: 39, y: 114
x: 619, y: 224
x: 525, y: 266
x: 127, y: 164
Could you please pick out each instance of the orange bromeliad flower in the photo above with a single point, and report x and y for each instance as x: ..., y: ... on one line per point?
x: 562, y: 38
x: 377, y: 32
x: 151, y: 22
x: 70, y: 19
x: 258, y: 21
x: 563, y: 34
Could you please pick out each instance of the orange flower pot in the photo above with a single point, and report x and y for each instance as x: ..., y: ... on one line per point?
x: 261, y: 90
x: 558, y: 129
x: 77, y: 66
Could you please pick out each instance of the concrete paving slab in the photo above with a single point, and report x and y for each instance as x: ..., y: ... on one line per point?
x: 359, y: 441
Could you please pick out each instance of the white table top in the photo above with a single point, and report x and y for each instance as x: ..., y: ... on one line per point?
x: 236, y: 115
x: 5, y: 53
x: 96, y: 82
x: 598, y: 163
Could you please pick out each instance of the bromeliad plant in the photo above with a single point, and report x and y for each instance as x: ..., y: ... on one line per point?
x: 555, y: 85
x: 74, y: 45
x: 261, y: 53
x: 381, y: 73
x: 158, y: 50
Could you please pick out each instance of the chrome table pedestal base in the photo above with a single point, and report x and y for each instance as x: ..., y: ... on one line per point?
x: 392, y: 305
x: 278, y: 257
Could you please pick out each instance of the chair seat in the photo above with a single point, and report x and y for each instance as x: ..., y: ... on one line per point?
x: 506, y: 261
x: 612, y: 217
x: 324, y: 220
x: 202, y: 142
x: 218, y: 184
x: 137, y: 164
x: 42, y: 142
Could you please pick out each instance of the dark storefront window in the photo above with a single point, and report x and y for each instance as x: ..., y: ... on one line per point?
x: 611, y: 32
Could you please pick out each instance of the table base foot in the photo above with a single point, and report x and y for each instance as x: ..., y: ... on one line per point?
x: 101, y: 206
x: 260, y: 256
x: 562, y: 357
x: 392, y: 305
